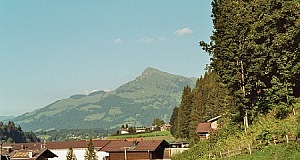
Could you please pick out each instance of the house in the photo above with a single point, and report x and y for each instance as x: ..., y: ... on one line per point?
x: 204, y: 129
x: 105, y: 149
x: 79, y: 148
x: 124, y: 131
x: 5, y: 151
x: 165, y: 127
x: 61, y: 148
x: 214, y: 122
x: 145, y: 149
x: 24, y: 154
x: 140, y: 129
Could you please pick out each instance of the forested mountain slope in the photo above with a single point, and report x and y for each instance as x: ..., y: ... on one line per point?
x: 152, y: 94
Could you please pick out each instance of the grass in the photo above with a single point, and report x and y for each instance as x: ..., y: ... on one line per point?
x: 157, y: 135
x: 272, y: 152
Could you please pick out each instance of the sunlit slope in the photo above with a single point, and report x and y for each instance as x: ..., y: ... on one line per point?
x: 152, y: 94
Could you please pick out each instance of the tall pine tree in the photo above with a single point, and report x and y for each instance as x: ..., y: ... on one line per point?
x: 184, y: 113
x: 174, y: 122
x: 210, y: 99
x: 255, y: 50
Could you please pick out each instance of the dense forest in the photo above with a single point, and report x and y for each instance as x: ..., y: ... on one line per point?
x: 11, y: 133
x: 253, y: 80
x: 208, y: 99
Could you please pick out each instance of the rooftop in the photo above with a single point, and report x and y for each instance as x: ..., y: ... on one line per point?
x: 203, y: 127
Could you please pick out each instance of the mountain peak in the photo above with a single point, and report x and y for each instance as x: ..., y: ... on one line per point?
x: 150, y: 70
x: 153, y: 94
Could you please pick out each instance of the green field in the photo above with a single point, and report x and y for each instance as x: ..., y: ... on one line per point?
x: 157, y: 135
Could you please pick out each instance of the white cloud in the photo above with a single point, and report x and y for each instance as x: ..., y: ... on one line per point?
x: 163, y: 39
x: 183, y: 32
x: 118, y: 40
x: 146, y: 40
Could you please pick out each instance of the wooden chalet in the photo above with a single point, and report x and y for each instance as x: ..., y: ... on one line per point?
x: 204, y: 129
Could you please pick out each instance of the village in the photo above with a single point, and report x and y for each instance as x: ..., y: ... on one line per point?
x: 106, y: 149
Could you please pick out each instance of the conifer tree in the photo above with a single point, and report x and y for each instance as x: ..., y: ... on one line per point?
x: 90, y: 153
x: 174, y: 122
x: 210, y: 99
x: 70, y: 154
x: 254, y: 49
x: 184, y: 113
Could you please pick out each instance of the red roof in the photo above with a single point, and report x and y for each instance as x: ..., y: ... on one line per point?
x: 146, y: 145
x: 203, y: 128
x: 103, y: 145
x: 117, y: 146
x: 150, y: 145
x: 60, y: 145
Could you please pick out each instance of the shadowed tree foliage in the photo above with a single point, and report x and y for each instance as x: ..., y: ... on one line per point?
x: 158, y: 122
x: 174, y: 122
x: 255, y: 50
x: 184, y: 113
x: 11, y: 133
x: 210, y: 99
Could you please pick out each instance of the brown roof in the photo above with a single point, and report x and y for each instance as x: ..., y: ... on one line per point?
x: 76, y: 144
x: 203, y: 128
x: 103, y: 145
x: 35, y: 154
x: 117, y: 146
x: 146, y: 145
x: 150, y: 145
x: 59, y: 145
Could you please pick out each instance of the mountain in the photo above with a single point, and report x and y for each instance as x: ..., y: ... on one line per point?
x: 6, y: 118
x: 152, y: 94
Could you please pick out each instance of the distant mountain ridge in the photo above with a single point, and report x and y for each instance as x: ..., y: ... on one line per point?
x: 6, y: 118
x: 152, y: 94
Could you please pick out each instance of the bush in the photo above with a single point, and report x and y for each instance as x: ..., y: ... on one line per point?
x: 198, y: 152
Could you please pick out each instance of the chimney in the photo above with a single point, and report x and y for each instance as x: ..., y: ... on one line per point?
x: 30, y: 154
x: 135, y: 142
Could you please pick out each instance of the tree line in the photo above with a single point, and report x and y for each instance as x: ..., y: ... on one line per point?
x: 208, y: 99
x: 255, y: 66
x: 11, y: 133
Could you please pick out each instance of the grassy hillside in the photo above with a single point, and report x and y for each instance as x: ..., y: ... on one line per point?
x: 151, y: 95
x: 278, y: 152
x: 268, y: 137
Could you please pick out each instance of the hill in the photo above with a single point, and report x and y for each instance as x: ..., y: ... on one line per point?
x: 5, y: 118
x: 11, y: 133
x: 152, y: 94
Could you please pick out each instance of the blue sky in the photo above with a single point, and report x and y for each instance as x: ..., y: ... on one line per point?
x: 52, y: 49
